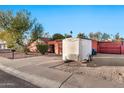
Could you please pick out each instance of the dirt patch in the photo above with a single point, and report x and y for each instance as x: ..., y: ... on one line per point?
x: 114, y: 74
x: 105, y: 67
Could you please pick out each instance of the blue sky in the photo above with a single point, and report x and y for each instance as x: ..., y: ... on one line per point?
x: 62, y: 19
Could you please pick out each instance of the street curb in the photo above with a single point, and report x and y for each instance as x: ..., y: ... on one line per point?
x: 36, y: 80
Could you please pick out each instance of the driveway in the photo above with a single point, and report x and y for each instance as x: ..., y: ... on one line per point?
x: 105, y: 70
x: 9, y: 81
x: 108, y: 60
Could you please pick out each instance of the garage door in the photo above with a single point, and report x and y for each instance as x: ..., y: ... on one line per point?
x: 109, y: 47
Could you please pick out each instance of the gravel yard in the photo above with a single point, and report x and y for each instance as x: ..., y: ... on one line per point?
x: 108, y: 67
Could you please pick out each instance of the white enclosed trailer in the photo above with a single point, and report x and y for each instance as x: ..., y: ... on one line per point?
x: 76, y: 49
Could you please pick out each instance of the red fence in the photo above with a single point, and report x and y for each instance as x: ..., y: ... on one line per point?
x: 111, y: 47
x: 122, y: 49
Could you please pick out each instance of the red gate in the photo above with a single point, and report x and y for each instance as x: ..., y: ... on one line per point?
x: 110, y: 47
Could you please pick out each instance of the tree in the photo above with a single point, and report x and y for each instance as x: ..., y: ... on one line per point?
x: 105, y: 36
x: 117, y: 36
x: 122, y: 39
x: 16, y: 25
x: 71, y: 32
x: 95, y: 36
x: 47, y: 35
x: 57, y: 36
x: 91, y: 35
x: 6, y: 36
x: 98, y: 36
x: 82, y: 36
x: 2, y: 35
x: 67, y: 36
x: 6, y: 19
x: 37, y: 32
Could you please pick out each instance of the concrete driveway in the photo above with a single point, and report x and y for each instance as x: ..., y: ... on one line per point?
x: 9, y: 81
x: 108, y: 60
x: 50, y: 71
x: 36, y: 70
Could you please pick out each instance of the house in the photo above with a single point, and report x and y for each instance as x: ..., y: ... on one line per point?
x: 55, y: 46
x: 32, y: 46
x: 3, y: 44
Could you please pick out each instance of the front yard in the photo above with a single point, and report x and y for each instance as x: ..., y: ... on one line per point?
x: 106, y: 70
x: 104, y: 67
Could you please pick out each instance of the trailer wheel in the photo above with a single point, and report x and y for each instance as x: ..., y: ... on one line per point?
x: 90, y: 58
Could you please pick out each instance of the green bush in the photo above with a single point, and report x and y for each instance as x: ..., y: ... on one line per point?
x: 26, y: 50
x: 42, y: 48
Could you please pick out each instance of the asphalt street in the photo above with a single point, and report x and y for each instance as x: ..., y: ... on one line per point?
x: 9, y: 81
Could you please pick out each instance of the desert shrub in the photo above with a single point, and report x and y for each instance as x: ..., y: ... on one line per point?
x: 42, y: 48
